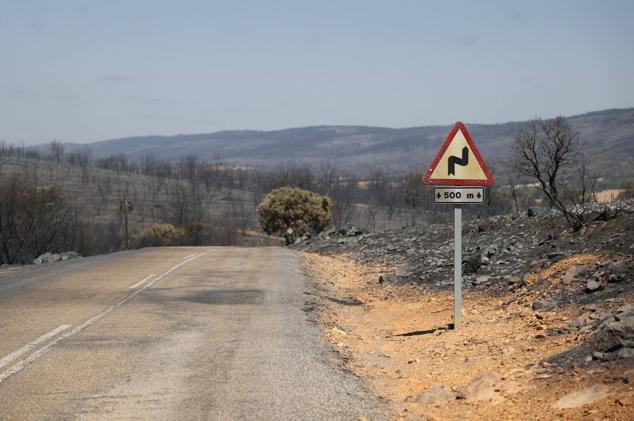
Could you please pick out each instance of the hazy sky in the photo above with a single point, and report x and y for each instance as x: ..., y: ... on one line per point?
x: 83, y: 71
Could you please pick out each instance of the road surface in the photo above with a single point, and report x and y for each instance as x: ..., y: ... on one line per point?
x: 169, y: 333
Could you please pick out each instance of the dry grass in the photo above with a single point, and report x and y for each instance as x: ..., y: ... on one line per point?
x: 608, y: 195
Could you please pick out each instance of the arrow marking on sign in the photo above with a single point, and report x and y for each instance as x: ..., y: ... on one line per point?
x: 454, y: 160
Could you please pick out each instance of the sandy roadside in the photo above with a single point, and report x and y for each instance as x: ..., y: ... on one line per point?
x: 494, y: 367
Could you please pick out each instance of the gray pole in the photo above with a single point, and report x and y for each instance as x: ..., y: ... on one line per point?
x: 126, y: 228
x: 457, y: 267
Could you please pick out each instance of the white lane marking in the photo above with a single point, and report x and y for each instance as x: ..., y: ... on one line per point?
x: 26, y: 348
x: 19, y: 366
x: 187, y: 257
x: 141, y: 281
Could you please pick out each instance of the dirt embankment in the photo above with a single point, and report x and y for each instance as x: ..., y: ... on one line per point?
x: 552, y: 341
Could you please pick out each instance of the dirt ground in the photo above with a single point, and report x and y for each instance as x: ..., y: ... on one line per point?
x: 398, y: 339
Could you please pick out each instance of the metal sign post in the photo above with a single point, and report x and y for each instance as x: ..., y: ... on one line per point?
x: 457, y: 266
x: 461, y: 171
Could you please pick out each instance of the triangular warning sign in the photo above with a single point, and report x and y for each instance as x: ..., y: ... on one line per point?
x: 458, y: 162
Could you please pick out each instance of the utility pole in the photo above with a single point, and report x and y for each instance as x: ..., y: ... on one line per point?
x: 126, y: 207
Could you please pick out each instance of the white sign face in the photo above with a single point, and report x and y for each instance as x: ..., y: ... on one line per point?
x: 459, y: 195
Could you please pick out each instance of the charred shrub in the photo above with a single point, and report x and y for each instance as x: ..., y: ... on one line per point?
x: 33, y: 221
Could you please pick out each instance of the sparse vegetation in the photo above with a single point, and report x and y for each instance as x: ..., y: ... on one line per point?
x: 32, y: 221
x: 215, y: 202
x: 627, y: 191
x: 189, y: 192
x: 160, y: 235
x: 543, y: 150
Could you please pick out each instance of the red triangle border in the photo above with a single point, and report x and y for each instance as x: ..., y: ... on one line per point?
x: 458, y: 182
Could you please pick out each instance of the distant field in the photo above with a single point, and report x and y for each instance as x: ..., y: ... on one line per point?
x: 608, y: 195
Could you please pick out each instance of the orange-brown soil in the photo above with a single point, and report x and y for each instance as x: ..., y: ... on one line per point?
x: 398, y: 340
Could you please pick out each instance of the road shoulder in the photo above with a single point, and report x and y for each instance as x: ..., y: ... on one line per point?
x: 498, y: 366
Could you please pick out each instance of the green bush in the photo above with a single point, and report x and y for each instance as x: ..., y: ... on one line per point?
x: 160, y: 235
x: 298, y: 209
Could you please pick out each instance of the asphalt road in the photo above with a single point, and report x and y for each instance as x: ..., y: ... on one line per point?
x: 171, y: 333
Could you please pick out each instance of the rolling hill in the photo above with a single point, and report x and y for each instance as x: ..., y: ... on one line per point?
x: 605, y: 135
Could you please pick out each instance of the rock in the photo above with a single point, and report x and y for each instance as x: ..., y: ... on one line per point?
x: 509, y: 248
x: 491, y: 251
x: 625, y: 353
x: 614, y: 333
x: 613, y: 278
x: 593, y: 285
x: 436, y: 393
x: 577, y: 323
x: 604, y: 356
x: 483, y: 387
x: 353, y: 232
x: 573, y: 273
x: 617, y: 268
x: 400, y: 273
x: 338, y: 331
x: 623, y: 328
x: 545, y: 305
x: 471, y: 265
x: 516, y: 282
x: 386, y: 278
x: 69, y: 255
x: 47, y: 258
x: 582, y: 397
x: 555, y: 255
x: 481, y: 280
x: 526, y: 278
x: 595, y: 316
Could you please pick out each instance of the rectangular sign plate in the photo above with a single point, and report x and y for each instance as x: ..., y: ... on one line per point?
x: 459, y: 195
